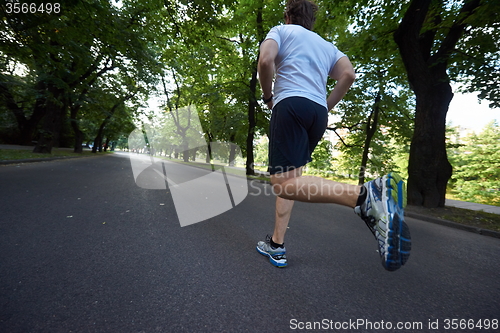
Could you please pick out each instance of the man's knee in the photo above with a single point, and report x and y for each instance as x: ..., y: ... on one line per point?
x: 277, y: 179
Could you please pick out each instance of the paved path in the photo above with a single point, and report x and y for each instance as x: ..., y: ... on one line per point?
x: 473, y: 206
x: 83, y: 249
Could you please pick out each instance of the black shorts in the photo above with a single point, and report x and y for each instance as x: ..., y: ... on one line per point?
x: 297, y: 125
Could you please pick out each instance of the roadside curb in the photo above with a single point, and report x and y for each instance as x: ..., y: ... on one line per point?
x: 455, y: 225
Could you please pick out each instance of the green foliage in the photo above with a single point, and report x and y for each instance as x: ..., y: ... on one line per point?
x: 378, y: 109
x: 476, y: 165
x: 386, y: 154
x: 262, y: 153
x: 476, y: 60
x: 85, y: 49
x: 321, y: 158
x: 203, y: 53
x: 208, y: 56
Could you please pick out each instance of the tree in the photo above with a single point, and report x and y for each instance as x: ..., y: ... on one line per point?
x: 262, y: 151
x: 65, y: 53
x: 198, y: 66
x: 210, y: 52
x: 114, y: 104
x: 476, y: 176
x: 430, y: 38
x: 378, y: 107
x: 254, y: 19
x: 322, y: 158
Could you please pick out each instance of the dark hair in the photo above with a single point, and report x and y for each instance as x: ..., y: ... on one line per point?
x: 301, y: 12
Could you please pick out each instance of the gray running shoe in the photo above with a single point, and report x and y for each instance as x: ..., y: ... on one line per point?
x: 383, y: 213
x: 277, y: 256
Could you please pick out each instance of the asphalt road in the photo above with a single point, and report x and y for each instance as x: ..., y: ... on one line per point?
x: 84, y: 249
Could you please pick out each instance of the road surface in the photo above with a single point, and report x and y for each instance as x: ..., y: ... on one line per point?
x: 84, y: 249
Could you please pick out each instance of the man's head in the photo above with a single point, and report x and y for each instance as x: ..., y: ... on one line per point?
x: 301, y: 12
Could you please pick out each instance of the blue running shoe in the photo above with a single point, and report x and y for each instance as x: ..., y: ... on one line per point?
x: 277, y: 256
x: 383, y: 213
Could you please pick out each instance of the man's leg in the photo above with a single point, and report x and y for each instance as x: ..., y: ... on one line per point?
x: 292, y: 186
x: 381, y: 205
x: 316, y: 189
x: 283, y: 212
x: 284, y: 206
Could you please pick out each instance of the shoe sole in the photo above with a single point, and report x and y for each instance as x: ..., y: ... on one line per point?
x: 399, y: 244
x: 271, y: 259
x: 398, y: 238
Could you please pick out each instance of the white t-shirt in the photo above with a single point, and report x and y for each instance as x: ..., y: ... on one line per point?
x: 303, y: 62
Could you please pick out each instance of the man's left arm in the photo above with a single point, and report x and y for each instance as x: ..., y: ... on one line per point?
x: 268, y: 52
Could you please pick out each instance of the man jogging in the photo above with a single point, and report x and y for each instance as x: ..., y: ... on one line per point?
x: 302, y: 62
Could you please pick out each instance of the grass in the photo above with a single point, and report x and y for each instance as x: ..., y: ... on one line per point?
x: 22, y: 154
x: 259, y: 177
x: 216, y: 164
x: 478, y: 219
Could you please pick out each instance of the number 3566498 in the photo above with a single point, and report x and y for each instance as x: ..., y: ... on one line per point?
x: 32, y: 8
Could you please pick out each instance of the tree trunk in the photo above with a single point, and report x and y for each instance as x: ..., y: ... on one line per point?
x: 232, y: 155
x: 232, y: 150
x: 26, y: 126
x: 49, y: 134
x: 208, y: 158
x: 76, y: 129
x: 429, y: 169
x: 97, y: 144
x: 100, y: 133
x: 251, y: 123
x: 426, y: 54
x: 78, y: 139
x: 371, y: 129
x: 185, y: 149
x: 252, y: 101
x: 106, y: 143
